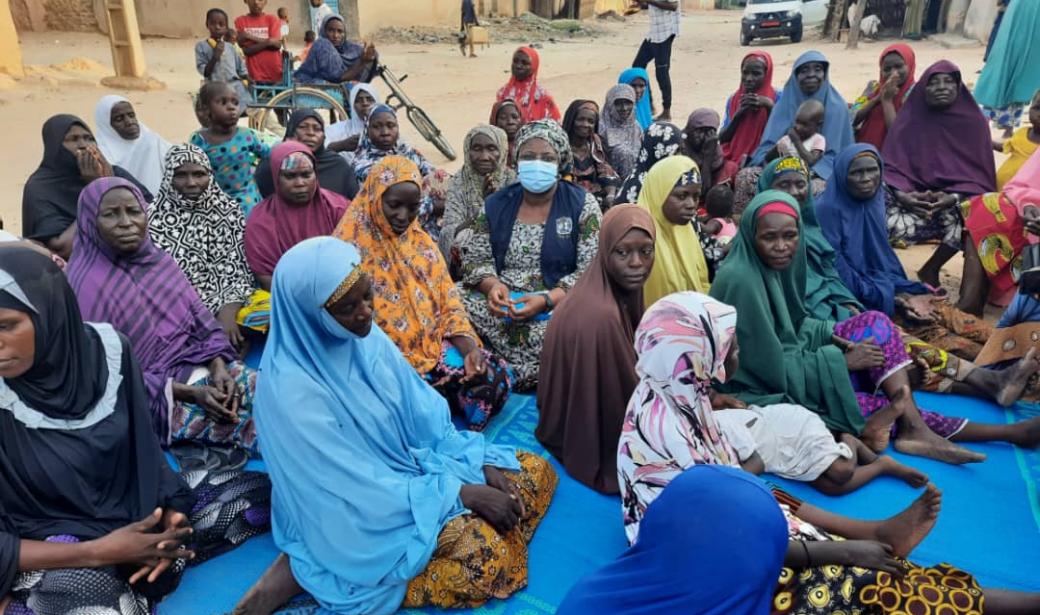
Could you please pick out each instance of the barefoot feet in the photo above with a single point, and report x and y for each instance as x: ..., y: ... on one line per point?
x: 912, y: 476
x: 274, y: 589
x: 907, y: 529
x: 878, y: 429
x: 916, y: 438
x: 930, y: 277
x: 1017, y: 378
x: 1027, y: 433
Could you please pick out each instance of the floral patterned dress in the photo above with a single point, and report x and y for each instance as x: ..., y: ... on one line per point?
x: 519, y: 343
x: 234, y: 162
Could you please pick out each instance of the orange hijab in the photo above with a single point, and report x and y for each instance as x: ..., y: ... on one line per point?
x: 416, y: 304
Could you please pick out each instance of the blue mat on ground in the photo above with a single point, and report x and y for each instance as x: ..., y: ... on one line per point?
x: 990, y: 523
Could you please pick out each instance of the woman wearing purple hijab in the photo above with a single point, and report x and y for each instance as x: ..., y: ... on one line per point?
x: 195, y: 389
x: 938, y: 153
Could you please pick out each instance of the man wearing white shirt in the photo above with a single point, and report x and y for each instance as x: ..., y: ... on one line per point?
x: 657, y: 46
x: 319, y: 11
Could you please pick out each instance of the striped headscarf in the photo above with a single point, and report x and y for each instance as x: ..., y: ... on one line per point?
x: 146, y: 297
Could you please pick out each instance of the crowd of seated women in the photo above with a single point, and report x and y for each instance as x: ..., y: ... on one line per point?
x: 611, y: 265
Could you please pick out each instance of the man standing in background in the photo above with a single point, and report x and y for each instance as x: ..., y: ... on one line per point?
x: 657, y: 46
x: 319, y: 11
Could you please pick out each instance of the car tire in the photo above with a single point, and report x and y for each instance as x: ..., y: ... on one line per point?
x: 797, y: 36
x: 745, y: 39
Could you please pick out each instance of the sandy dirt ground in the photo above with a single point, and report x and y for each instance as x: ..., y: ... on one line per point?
x: 65, y: 69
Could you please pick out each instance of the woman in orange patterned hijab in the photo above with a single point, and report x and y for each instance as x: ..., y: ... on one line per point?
x: 415, y: 302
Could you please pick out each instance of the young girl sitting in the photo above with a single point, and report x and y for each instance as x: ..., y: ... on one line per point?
x: 234, y: 151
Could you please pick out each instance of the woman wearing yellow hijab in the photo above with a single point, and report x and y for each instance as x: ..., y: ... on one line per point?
x: 415, y: 302
x: 670, y: 192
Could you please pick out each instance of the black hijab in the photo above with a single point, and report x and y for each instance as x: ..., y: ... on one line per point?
x: 52, y: 191
x: 83, y: 478
x: 334, y: 172
x: 68, y: 374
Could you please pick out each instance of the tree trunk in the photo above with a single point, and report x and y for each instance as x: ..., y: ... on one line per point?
x: 854, y: 19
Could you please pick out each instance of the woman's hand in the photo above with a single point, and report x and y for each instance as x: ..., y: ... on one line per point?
x: 871, y: 555
x: 498, y: 300
x: 92, y: 165
x: 534, y: 304
x: 889, y: 90
x: 492, y: 505
x: 919, y: 307
x: 914, y: 203
x: 226, y: 319
x: 864, y: 355
x: 214, y: 402
x: 139, y: 543
x: 171, y: 520
x: 474, y: 364
x: 1031, y: 217
x: 496, y: 479
x: 945, y: 200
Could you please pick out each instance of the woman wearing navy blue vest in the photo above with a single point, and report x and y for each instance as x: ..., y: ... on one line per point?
x: 532, y: 243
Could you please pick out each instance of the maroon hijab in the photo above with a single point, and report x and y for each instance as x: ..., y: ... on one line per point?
x: 275, y: 225
x: 949, y: 150
x: 588, y: 363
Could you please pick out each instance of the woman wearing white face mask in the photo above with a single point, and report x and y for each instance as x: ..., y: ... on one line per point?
x: 531, y: 244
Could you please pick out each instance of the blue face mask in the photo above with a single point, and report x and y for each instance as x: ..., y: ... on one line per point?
x: 537, y: 176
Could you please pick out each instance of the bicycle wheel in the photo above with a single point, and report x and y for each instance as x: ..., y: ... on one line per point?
x: 293, y: 99
x: 430, y: 132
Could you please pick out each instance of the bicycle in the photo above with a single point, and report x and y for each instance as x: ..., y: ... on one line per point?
x: 416, y: 115
x: 286, y: 97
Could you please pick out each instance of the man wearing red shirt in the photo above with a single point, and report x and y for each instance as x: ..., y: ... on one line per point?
x: 259, y: 36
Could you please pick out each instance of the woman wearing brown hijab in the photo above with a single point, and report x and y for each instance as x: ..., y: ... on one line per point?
x: 587, y: 366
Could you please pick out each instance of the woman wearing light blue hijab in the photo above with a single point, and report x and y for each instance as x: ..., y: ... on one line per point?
x: 809, y: 79
x: 644, y: 95
x: 369, y: 473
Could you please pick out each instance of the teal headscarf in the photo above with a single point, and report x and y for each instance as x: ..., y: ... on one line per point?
x: 789, y: 357
x: 365, y: 464
x: 826, y: 297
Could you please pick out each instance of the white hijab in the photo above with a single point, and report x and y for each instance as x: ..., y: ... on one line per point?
x: 353, y: 125
x: 143, y: 157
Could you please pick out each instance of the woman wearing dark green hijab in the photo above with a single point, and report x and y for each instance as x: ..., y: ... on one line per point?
x: 826, y: 296
x: 793, y: 357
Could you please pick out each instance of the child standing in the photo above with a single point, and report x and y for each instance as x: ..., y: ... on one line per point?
x: 233, y: 150
x: 259, y: 35
x: 283, y: 16
x: 803, y: 140
x: 218, y: 58
x: 308, y: 39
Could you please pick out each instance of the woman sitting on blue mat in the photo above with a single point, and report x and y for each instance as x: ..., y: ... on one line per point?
x: 853, y: 373
x: 415, y: 301
x: 379, y: 503
x: 529, y: 247
x: 92, y: 518
x: 197, y: 390
x: 588, y: 363
x: 833, y: 564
